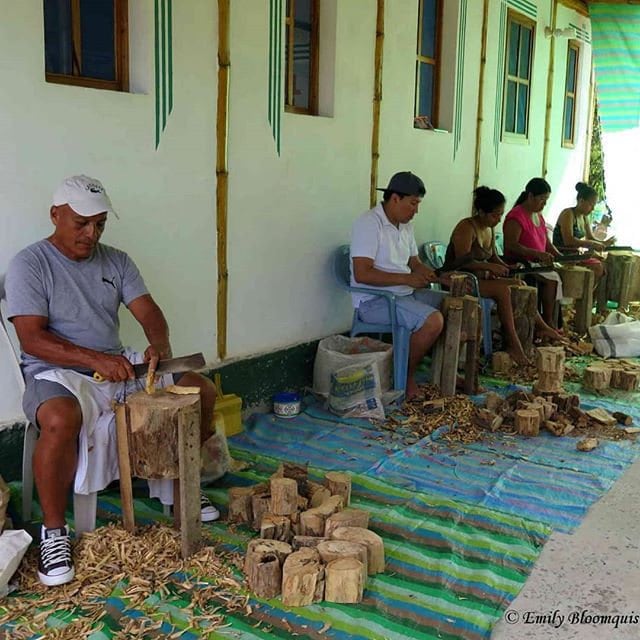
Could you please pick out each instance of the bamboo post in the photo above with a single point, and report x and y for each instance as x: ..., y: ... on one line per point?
x: 483, y: 64
x: 377, y: 100
x: 222, y: 173
x: 549, y: 106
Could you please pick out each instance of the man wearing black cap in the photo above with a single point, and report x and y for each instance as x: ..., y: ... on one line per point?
x: 384, y: 254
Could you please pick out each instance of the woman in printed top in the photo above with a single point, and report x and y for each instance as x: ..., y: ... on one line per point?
x: 472, y: 248
x: 526, y: 238
x: 573, y: 229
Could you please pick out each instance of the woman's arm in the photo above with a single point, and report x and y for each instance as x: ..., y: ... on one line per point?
x: 512, y: 246
x: 566, y: 222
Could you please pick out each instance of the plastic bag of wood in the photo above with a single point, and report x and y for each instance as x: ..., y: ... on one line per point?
x: 356, y: 393
x: 5, y: 494
x: 617, y: 337
x: 336, y: 352
x: 13, y: 545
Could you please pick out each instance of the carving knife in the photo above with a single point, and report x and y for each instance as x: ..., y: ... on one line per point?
x: 170, y: 365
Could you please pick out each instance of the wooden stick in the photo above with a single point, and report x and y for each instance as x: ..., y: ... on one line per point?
x: 377, y: 100
x: 124, y: 465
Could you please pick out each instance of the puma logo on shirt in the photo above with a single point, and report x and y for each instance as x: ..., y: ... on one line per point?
x: 112, y: 282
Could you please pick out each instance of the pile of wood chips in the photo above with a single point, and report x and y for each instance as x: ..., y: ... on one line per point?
x: 145, y: 564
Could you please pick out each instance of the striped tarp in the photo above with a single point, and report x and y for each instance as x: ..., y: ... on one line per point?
x: 451, y: 571
x: 616, y: 49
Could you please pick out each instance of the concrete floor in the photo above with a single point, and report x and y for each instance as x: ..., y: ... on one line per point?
x: 596, y: 570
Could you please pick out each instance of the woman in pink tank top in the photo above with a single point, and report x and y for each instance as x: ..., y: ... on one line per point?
x: 525, y: 237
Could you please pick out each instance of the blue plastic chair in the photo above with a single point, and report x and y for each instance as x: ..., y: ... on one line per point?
x: 400, y: 335
x: 434, y: 253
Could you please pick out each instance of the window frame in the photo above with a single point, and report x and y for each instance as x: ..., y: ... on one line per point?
x: 121, y: 52
x: 314, y: 61
x: 571, y: 143
x: 522, y: 21
x: 435, y: 62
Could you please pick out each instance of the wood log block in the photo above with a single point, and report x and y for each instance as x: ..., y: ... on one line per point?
x: 339, y: 484
x: 620, y: 275
x: 301, y: 572
x: 153, y: 431
x: 275, y: 527
x: 373, y: 542
x: 312, y: 521
x: 558, y: 428
x: 299, y: 473
x: 528, y: 422
x: 583, y: 318
x: 259, y: 547
x: 306, y: 541
x: 533, y: 406
x: 264, y: 575
x: 260, y: 504
x: 524, y: 301
x: 622, y: 418
x: 317, y: 494
x: 566, y: 400
x: 346, y: 518
x: 616, y: 377
x: 602, y: 416
x: 449, y: 345
x: 284, y: 496
x: 240, y: 505
x: 471, y: 330
x: 597, y: 378
x: 343, y: 581
x: 629, y: 380
x: 550, y: 408
x: 550, y: 366
x: 331, y: 550
x: 501, y: 362
x: 573, y: 281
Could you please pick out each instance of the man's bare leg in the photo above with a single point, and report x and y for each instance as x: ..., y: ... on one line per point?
x: 421, y: 341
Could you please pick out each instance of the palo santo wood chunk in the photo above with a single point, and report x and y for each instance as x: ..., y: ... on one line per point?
x: 182, y: 391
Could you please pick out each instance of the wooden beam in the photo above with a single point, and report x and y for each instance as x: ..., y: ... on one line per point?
x: 377, y: 99
x: 580, y: 6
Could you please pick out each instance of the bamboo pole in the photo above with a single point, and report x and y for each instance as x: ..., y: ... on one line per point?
x: 547, y: 118
x: 483, y: 64
x: 592, y: 107
x: 222, y: 173
x: 377, y: 99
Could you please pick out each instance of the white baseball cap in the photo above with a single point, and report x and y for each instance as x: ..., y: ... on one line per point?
x: 85, y: 195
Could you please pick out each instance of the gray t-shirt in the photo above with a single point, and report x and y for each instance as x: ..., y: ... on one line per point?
x: 79, y: 298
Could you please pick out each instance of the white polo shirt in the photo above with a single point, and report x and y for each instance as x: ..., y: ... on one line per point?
x: 390, y: 247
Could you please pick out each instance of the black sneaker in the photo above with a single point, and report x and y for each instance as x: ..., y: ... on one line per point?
x: 208, y: 512
x: 55, y: 566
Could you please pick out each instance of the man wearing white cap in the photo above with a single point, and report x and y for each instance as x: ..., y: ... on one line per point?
x: 63, y: 295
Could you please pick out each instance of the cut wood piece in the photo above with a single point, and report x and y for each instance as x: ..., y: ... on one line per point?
x: 558, y: 428
x: 306, y: 541
x: 616, y: 377
x: 629, y: 380
x: 240, y: 505
x: 343, y: 581
x: 597, y: 378
x: 493, y: 401
x: 260, y: 504
x: 346, y: 518
x: 602, y: 416
x: 261, y: 548
x: 433, y: 406
x: 566, y: 400
x: 284, y: 496
x: 573, y: 281
x: 373, y: 542
x: 264, y: 575
x: 339, y: 484
x: 622, y: 418
x: 458, y: 285
x: 487, y: 419
x: 587, y: 444
x: 301, y: 572
x: 182, y: 391
x: 275, y: 527
x: 501, y: 362
x: 550, y: 366
x: 317, y: 494
x: 312, y: 521
x: 533, y: 406
x: 331, y: 550
x: 528, y: 422
x: 299, y: 473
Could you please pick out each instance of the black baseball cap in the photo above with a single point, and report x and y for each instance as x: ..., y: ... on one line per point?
x: 405, y: 183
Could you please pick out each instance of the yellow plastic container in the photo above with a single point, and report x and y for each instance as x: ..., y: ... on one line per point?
x: 230, y: 406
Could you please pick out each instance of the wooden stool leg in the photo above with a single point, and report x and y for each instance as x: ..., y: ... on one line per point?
x: 584, y: 305
x: 453, y: 329
x: 124, y: 465
x: 189, y: 461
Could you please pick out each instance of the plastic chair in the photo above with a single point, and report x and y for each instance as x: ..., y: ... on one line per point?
x: 84, y: 506
x: 434, y: 253
x: 400, y: 335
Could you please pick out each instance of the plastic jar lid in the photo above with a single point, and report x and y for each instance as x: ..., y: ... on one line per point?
x: 286, y: 396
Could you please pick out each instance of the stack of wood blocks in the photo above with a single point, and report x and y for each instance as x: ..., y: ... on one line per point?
x: 617, y: 374
x: 312, y: 545
x: 577, y: 283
